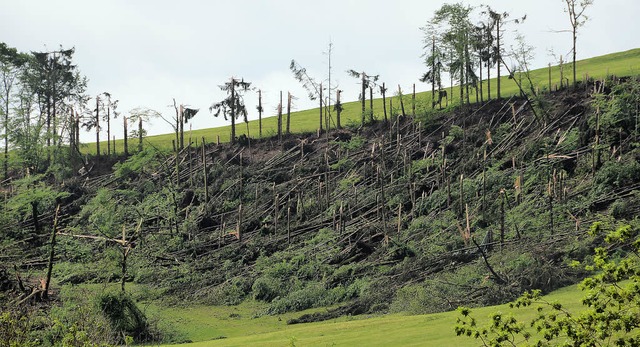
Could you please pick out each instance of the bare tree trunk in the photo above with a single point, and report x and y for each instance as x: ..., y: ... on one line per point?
x: 77, y: 129
x: 413, y: 101
x: 280, y: 119
x: 384, y: 102
x: 52, y: 253
x: 97, y: 127
x: 124, y: 268
x: 260, y: 112
x: 575, y: 27
x: 204, y: 172
x: 288, y: 112
x: 481, y: 96
x: 6, y: 135
x: 126, y: 136
x: 499, y: 58
x: 338, y: 110
x: 72, y: 133
x: 321, y: 115
x: 433, y: 73
x: 362, y: 94
x: 181, y: 119
x: 233, y: 111
x: 140, y: 134
x: 109, y: 128
x: 371, y: 104
x: 401, y: 101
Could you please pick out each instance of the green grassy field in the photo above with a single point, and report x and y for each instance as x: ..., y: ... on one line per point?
x: 240, y: 327
x: 621, y: 64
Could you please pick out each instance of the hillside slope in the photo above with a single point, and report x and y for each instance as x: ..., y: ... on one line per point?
x: 317, y: 221
x: 469, y: 206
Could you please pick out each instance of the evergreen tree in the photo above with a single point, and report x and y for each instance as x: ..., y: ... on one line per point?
x: 233, y: 106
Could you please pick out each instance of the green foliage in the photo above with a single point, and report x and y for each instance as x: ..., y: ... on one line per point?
x: 15, y: 330
x: 266, y: 288
x: 616, y: 175
x: 34, y: 190
x: 229, y: 293
x: 342, y: 164
x: 349, y: 181
x: 136, y: 164
x: 611, y: 297
x: 314, y: 294
x: 355, y: 143
x: 124, y: 316
x: 411, y: 299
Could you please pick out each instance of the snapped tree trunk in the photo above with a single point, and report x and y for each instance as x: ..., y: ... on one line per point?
x: 371, y: 104
x: 109, y: 128
x: 384, y: 102
x: 413, y: 101
x: 280, y: 119
x: 499, y: 57
x: 97, y: 127
x: 433, y: 72
x: 321, y: 115
x: 140, y: 134
x: 288, y: 112
x: 181, y: 118
x: 401, y: 101
x: 233, y: 111
x: 52, y: 253
x: 260, y: 112
x: 362, y: 94
x: 338, y: 109
x: 126, y: 137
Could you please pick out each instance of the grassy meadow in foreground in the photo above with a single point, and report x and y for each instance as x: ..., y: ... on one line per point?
x: 207, y: 325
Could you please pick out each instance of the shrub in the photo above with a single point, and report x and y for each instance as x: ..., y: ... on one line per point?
x: 410, y: 299
x: 227, y: 293
x: 266, y: 288
x: 618, y: 174
x: 124, y: 316
x: 313, y: 295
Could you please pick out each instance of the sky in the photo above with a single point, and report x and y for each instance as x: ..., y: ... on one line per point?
x: 145, y: 53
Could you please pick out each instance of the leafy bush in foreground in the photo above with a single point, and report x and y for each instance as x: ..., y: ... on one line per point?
x: 611, y: 300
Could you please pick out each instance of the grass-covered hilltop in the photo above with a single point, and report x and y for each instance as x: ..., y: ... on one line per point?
x: 348, y: 236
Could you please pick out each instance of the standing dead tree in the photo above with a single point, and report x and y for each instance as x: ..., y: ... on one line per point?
x: 183, y: 115
x: 575, y: 9
x: 497, y: 21
x: 260, y: 110
x: 367, y: 81
x: 314, y: 89
x: 141, y: 115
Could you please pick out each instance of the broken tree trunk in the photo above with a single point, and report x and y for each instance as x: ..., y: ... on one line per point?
x: 52, y: 253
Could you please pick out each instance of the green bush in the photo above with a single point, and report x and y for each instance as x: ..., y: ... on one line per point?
x: 410, y: 299
x: 313, y: 295
x: 266, y: 288
x: 124, y: 316
x: 615, y: 174
x: 136, y: 164
x: 227, y: 293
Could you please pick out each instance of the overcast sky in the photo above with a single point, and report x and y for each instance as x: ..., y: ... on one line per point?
x: 147, y: 52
